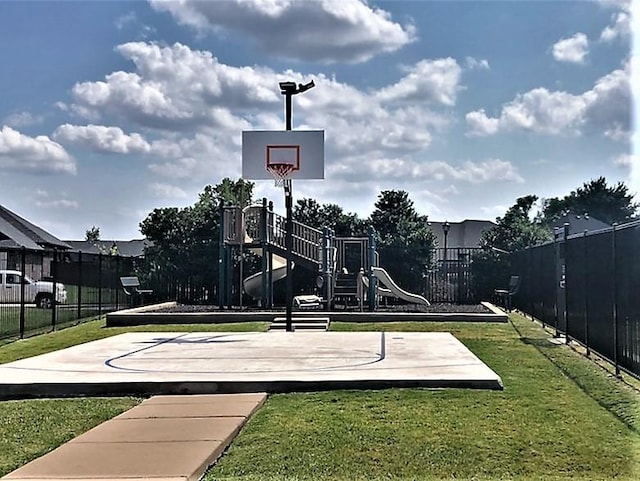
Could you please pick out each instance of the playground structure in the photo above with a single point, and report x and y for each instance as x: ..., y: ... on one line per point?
x: 347, y: 267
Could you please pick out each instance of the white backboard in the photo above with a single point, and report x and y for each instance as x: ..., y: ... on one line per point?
x: 260, y: 146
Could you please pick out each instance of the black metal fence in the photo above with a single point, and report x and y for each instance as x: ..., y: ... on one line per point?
x: 450, y: 278
x: 588, y: 287
x: 447, y: 276
x: 44, y: 290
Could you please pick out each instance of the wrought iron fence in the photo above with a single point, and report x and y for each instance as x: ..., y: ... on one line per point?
x: 588, y: 287
x: 44, y: 290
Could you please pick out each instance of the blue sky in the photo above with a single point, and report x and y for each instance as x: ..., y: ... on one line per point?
x: 111, y: 109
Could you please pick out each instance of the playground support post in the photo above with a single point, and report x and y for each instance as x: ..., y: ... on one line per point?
x: 373, y: 281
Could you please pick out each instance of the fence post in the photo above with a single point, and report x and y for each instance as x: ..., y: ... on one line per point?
x: 54, y: 276
x: 23, y: 265
x: 99, y: 284
x: 585, y: 261
x: 79, y: 313
x: 566, y: 285
x: 615, y: 295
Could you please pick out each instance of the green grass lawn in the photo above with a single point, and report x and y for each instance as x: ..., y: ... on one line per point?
x: 560, y: 417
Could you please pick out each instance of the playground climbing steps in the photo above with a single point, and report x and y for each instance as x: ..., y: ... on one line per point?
x: 345, y: 291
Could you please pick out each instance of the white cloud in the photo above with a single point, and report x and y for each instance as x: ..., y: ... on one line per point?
x: 572, y: 50
x: 308, y: 30
x: 102, y: 139
x: 620, y: 25
x: 40, y: 155
x: 58, y: 204
x: 606, y: 108
x: 23, y: 119
x: 476, y: 64
x: 427, y: 81
x: 176, y: 88
x: 166, y: 190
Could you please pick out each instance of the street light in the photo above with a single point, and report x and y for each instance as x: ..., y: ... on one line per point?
x: 289, y: 89
x: 445, y: 229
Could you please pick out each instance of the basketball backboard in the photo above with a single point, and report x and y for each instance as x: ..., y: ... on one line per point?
x: 303, y: 150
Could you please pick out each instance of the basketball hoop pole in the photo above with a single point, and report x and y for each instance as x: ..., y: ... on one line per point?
x: 289, y: 89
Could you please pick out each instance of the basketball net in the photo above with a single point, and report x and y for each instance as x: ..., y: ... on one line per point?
x: 281, y: 172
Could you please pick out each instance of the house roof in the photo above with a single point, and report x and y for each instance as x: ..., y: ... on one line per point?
x: 461, y: 234
x: 130, y: 248
x: 16, y: 232
x: 579, y: 223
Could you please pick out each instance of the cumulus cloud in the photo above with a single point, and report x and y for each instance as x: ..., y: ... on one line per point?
x: 102, y: 139
x: 572, y: 50
x: 23, y: 119
x: 307, y: 30
x: 58, y: 204
x: 166, y: 190
x: 411, y: 170
x: 606, y: 108
x: 427, y: 81
x: 40, y: 155
x: 476, y: 64
x: 175, y: 87
x: 620, y: 24
x: 193, y: 109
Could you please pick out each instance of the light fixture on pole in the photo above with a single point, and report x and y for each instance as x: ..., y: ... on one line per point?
x: 445, y: 229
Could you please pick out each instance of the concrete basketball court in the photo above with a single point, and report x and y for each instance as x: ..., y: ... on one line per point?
x: 149, y: 363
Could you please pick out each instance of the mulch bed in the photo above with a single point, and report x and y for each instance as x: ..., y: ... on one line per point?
x: 435, y: 308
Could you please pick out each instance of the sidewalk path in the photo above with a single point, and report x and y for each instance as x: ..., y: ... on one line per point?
x: 164, y: 438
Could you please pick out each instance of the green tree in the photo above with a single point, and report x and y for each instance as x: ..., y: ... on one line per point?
x: 404, y: 240
x: 184, y: 246
x: 513, y: 232
x: 598, y: 199
x: 308, y: 211
x: 92, y: 234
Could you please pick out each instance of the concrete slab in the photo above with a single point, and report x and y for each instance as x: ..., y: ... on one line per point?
x: 177, y: 363
x: 163, y: 429
x: 171, y: 460
x: 169, y: 446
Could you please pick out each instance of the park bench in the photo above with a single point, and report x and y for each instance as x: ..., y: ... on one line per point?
x: 505, y: 295
x: 131, y: 287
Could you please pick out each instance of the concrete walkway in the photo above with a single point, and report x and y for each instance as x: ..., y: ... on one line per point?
x: 164, y: 438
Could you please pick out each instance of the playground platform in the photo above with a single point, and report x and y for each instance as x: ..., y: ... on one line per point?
x: 148, y: 363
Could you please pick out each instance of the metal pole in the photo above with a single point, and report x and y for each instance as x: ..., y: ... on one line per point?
x: 615, y: 295
x: 585, y: 263
x: 288, y: 202
x: 23, y: 300
x: 566, y: 308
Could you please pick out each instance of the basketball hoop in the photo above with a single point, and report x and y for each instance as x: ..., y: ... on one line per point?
x: 281, y: 172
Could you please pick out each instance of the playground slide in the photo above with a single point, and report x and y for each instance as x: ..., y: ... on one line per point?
x: 393, y: 290
x: 253, y: 284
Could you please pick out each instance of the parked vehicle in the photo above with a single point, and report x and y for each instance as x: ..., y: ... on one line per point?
x: 39, y: 293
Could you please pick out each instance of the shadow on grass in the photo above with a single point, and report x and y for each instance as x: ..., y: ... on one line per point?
x: 620, y: 399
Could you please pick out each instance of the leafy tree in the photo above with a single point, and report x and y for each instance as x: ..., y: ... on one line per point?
x: 608, y: 203
x: 404, y: 240
x: 184, y: 246
x: 308, y: 211
x: 92, y: 234
x: 513, y: 232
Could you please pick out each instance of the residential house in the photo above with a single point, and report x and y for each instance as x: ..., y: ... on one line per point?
x: 18, y: 236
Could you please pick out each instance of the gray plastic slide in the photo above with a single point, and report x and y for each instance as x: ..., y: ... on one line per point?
x: 253, y: 284
x: 393, y: 290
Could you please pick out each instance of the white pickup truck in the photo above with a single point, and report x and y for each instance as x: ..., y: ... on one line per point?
x: 38, y: 292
